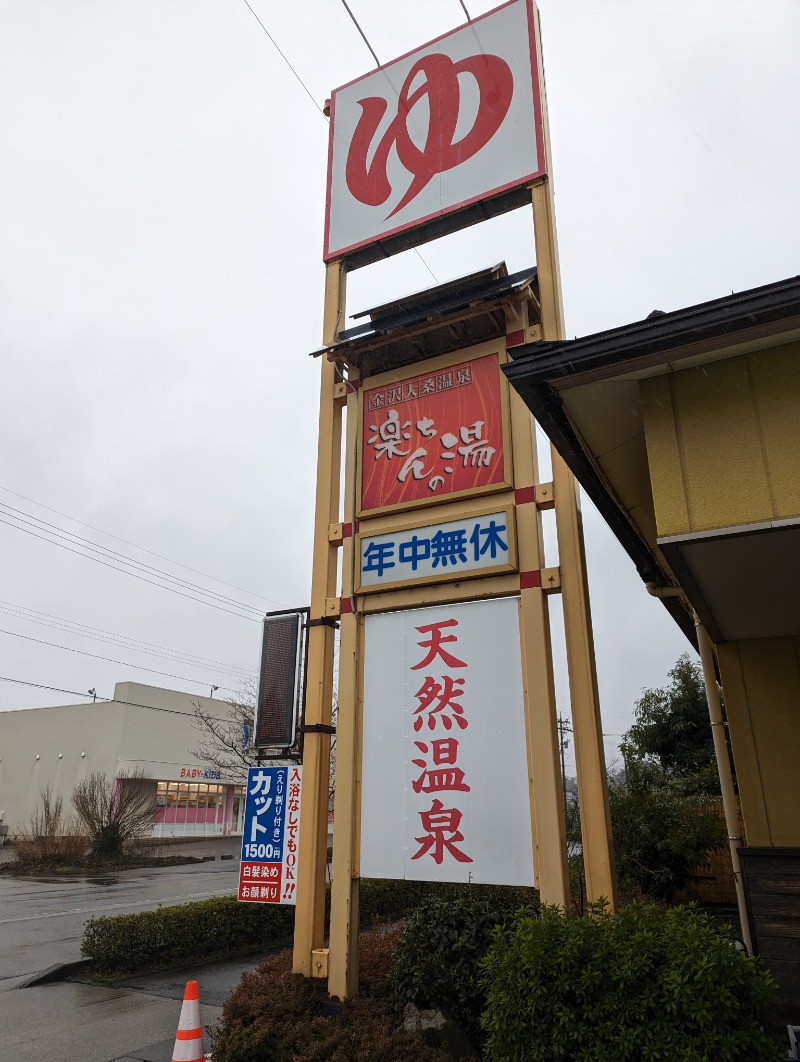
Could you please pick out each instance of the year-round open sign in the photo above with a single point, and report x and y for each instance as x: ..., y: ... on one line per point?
x: 429, y: 135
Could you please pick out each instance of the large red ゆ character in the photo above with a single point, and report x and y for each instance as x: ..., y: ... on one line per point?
x: 369, y: 183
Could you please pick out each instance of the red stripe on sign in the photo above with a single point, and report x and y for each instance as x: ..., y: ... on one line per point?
x: 530, y: 580
x: 349, y: 529
x: 515, y: 339
x: 524, y: 495
x: 345, y: 605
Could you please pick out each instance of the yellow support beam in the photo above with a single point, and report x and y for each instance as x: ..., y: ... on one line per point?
x: 309, y: 926
x: 590, y: 762
x: 541, y: 725
x: 345, y: 882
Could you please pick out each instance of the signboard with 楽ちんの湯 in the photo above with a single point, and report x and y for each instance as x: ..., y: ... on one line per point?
x: 435, y: 435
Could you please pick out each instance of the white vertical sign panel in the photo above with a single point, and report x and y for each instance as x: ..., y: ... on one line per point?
x: 445, y: 776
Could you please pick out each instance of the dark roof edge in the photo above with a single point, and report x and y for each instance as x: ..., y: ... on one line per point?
x: 451, y: 301
x: 546, y: 406
x: 667, y: 331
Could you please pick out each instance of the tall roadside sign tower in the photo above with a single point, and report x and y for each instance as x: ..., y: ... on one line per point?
x: 431, y: 564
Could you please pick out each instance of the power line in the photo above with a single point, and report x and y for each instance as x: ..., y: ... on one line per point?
x: 364, y: 38
x: 133, y: 575
x: 280, y: 53
x: 85, y: 543
x: 309, y: 95
x: 426, y: 265
x: 124, y: 637
x: 134, y: 644
x: 346, y: 6
x: 107, y: 700
x: 127, y: 542
x: 38, y: 686
x: 122, y: 663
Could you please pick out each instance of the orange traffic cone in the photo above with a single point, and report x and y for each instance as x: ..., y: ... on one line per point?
x: 189, y: 1046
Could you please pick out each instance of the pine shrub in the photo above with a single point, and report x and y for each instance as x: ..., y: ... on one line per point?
x: 437, y: 961
x: 275, y: 1016
x: 644, y: 984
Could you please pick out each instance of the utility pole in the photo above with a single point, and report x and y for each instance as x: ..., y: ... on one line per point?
x: 563, y: 729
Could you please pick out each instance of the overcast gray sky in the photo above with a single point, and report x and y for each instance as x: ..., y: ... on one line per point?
x: 162, y: 187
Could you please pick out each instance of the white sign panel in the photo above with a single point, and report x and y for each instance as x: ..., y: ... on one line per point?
x: 454, y: 122
x: 444, y: 776
x: 448, y: 549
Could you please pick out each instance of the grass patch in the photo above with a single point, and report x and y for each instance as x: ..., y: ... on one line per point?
x: 57, y: 868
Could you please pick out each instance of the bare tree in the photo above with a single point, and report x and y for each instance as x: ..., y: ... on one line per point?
x: 226, y: 739
x: 114, y: 812
x: 49, y: 835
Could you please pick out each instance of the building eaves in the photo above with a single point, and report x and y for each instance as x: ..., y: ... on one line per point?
x: 657, y: 336
x: 540, y: 371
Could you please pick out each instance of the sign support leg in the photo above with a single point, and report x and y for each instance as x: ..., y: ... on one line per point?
x: 309, y: 926
x: 589, y: 752
x: 345, y: 923
x: 590, y: 764
x: 541, y: 727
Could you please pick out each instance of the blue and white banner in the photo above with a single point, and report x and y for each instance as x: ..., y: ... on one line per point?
x: 268, y: 871
x: 451, y: 549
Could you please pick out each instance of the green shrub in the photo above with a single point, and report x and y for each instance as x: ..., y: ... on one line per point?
x: 223, y: 926
x: 437, y: 961
x: 171, y: 935
x: 273, y: 1016
x: 640, y: 985
x: 381, y: 897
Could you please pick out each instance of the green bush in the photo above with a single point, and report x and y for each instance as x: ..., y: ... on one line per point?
x: 640, y: 985
x: 223, y: 926
x: 437, y: 961
x: 273, y: 1016
x: 171, y: 935
x: 381, y: 897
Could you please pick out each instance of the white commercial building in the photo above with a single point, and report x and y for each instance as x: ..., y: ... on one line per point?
x: 144, y: 727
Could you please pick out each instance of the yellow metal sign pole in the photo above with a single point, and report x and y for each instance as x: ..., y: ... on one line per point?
x: 345, y: 883
x: 590, y: 764
x: 309, y: 925
x: 589, y: 753
x: 541, y: 727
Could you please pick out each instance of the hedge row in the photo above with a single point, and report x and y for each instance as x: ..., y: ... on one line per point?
x: 223, y: 926
x: 172, y: 935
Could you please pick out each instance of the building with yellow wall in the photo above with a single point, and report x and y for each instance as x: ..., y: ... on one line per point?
x: 684, y: 429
